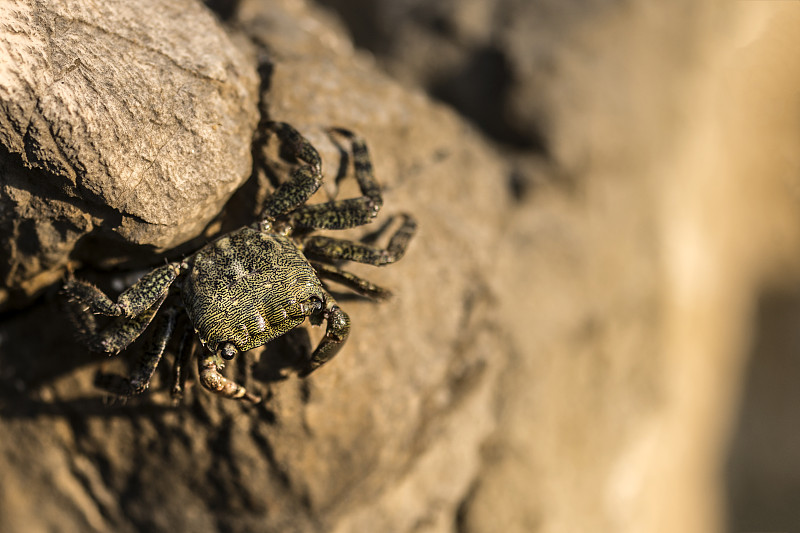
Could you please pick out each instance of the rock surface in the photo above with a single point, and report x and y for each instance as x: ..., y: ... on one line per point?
x: 366, y: 441
x: 571, y: 327
x: 121, y: 124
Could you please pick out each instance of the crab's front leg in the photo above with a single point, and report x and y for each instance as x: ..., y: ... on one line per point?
x: 117, y: 335
x: 336, y: 333
x: 351, y: 281
x: 133, y: 301
x: 211, y: 379
x: 330, y: 249
x: 304, y: 180
x: 134, y: 308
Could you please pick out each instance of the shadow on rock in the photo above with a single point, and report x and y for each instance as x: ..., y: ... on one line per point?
x: 46, y: 371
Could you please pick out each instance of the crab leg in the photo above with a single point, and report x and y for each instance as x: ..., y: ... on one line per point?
x: 118, y: 334
x: 181, y: 367
x: 341, y: 214
x: 304, y: 180
x: 142, y: 373
x: 338, y: 249
x: 351, y: 281
x: 133, y: 301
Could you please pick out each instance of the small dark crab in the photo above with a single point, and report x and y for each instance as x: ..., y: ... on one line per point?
x: 249, y: 286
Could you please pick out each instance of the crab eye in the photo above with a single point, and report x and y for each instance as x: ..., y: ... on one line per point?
x: 227, y: 351
x: 315, y: 303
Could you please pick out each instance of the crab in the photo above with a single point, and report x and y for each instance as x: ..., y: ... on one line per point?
x: 249, y: 286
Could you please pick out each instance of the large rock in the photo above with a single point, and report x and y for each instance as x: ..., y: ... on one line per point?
x: 569, y: 360
x: 387, y: 436
x: 674, y: 127
x: 121, y: 124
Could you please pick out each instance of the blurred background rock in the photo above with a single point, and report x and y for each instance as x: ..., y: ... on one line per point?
x: 596, y: 329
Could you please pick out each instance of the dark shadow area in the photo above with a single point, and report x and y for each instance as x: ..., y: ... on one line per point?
x: 38, y: 348
x: 365, y: 23
x: 479, y: 90
x: 225, y: 9
x: 763, y: 469
x: 477, y: 84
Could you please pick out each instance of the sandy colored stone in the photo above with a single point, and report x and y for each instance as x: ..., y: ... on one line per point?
x: 122, y: 124
x: 672, y: 130
x: 569, y: 356
x: 369, y: 438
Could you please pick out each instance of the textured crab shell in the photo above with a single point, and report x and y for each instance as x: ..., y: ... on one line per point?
x: 249, y: 287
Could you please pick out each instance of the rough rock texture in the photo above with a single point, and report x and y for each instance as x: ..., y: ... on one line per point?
x: 568, y: 356
x: 542, y: 79
x: 388, y: 434
x: 670, y: 134
x: 120, y: 123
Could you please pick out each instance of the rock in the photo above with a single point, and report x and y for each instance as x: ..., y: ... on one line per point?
x: 671, y: 237
x: 122, y: 125
x: 388, y: 434
x: 555, y: 358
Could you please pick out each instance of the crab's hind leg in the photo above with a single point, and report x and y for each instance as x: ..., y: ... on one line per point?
x: 330, y: 249
x: 336, y: 333
x: 341, y: 214
x: 142, y: 373
x: 133, y: 301
x: 304, y: 180
x: 215, y: 382
x: 351, y: 281
x: 181, y: 367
